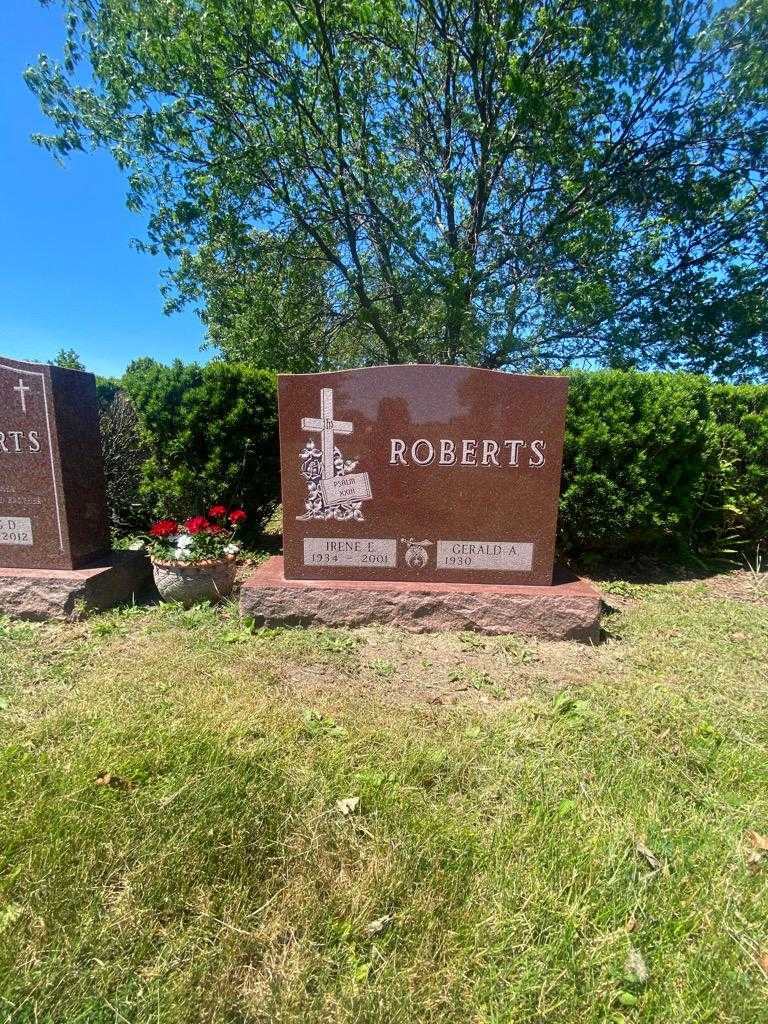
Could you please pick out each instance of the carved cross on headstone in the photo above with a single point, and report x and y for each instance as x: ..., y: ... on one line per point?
x: 328, y: 427
x: 22, y: 388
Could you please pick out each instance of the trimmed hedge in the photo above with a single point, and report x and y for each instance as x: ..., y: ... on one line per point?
x: 740, y: 492
x: 653, y: 461
x: 663, y: 461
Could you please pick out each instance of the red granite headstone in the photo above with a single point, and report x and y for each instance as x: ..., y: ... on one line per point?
x: 440, y: 474
x: 52, y: 501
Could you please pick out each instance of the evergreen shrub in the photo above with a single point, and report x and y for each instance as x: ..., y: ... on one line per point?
x: 211, y: 436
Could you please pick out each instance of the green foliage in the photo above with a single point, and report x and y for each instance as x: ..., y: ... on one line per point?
x: 68, y: 359
x: 741, y: 440
x: 107, y: 390
x: 636, y: 458
x: 513, y: 185
x: 663, y: 461
x: 124, y: 454
x: 211, y: 434
x: 280, y: 315
x: 652, y: 460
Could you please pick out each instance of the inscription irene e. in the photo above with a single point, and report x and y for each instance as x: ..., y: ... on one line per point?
x: 484, y: 555
x: 16, y: 530
x: 350, y: 551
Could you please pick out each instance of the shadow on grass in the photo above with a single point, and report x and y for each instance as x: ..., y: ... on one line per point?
x: 648, y: 569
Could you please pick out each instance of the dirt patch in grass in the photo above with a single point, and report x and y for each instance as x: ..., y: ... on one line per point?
x: 741, y: 585
x: 390, y: 667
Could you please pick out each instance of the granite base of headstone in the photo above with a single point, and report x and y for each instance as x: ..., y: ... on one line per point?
x: 568, y: 609
x: 55, y: 557
x: 40, y: 594
x: 423, y: 497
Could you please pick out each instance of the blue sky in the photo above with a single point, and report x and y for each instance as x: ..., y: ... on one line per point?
x: 68, y: 275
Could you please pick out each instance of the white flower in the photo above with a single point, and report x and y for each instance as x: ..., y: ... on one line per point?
x: 231, y: 549
x: 180, y: 554
x: 184, y: 541
x: 138, y: 545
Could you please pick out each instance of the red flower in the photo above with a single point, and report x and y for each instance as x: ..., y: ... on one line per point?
x: 196, y: 524
x: 164, y: 528
x: 214, y: 528
x: 238, y: 516
x: 217, y: 510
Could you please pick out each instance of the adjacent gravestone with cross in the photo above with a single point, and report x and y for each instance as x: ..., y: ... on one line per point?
x: 53, y: 511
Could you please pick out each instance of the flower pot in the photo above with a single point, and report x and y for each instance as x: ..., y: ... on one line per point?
x: 194, y: 582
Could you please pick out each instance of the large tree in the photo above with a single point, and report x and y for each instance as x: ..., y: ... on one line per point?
x: 511, y: 184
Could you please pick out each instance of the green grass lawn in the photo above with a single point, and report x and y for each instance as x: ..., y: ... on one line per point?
x: 539, y: 831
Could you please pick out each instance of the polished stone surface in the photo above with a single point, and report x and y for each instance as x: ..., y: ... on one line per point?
x: 441, y: 474
x: 40, y: 594
x: 53, y: 511
x: 567, y: 610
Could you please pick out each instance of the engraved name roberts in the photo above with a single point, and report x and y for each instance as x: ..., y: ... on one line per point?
x: 14, y: 442
x: 468, y: 451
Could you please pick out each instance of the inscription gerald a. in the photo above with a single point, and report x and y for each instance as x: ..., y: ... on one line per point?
x: 474, y: 556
